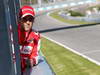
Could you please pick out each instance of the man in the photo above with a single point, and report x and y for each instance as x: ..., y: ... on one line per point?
x: 28, y: 38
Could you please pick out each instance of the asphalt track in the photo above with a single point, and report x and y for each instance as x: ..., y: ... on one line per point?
x: 82, y: 39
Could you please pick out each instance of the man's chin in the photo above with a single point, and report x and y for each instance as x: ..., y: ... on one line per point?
x: 27, y: 30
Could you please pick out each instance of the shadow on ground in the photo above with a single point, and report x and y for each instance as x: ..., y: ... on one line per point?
x: 67, y: 27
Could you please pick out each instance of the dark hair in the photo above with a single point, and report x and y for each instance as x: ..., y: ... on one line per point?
x: 28, y: 18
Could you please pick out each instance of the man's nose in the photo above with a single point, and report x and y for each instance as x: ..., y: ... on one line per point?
x: 27, y: 22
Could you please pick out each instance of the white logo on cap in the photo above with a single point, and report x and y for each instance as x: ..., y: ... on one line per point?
x: 27, y: 9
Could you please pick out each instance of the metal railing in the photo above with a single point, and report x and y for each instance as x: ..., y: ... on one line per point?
x: 9, y: 53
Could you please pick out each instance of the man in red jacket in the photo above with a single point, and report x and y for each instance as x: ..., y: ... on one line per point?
x: 28, y: 38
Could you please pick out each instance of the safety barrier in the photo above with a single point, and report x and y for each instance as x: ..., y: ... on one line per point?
x: 91, y: 18
x: 61, y: 5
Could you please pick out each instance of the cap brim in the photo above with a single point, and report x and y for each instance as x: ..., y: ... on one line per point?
x: 27, y: 15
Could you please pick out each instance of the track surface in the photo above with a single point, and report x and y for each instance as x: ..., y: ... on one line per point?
x: 84, y: 39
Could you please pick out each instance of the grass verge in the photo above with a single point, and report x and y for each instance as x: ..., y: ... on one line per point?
x: 55, y: 15
x: 65, y: 62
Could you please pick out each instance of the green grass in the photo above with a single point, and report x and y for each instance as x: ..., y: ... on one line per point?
x: 96, y: 6
x: 65, y: 62
x: 55, y: 15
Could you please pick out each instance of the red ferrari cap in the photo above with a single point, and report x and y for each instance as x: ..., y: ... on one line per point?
x: 27, y: 10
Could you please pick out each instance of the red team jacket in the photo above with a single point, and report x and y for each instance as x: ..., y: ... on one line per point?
x: 29, y: 42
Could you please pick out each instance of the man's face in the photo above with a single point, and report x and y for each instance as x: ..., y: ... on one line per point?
x: 27, y: 23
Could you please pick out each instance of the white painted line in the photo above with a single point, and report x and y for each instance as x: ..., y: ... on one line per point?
x: 94, y: 61
x: 65, y: 5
